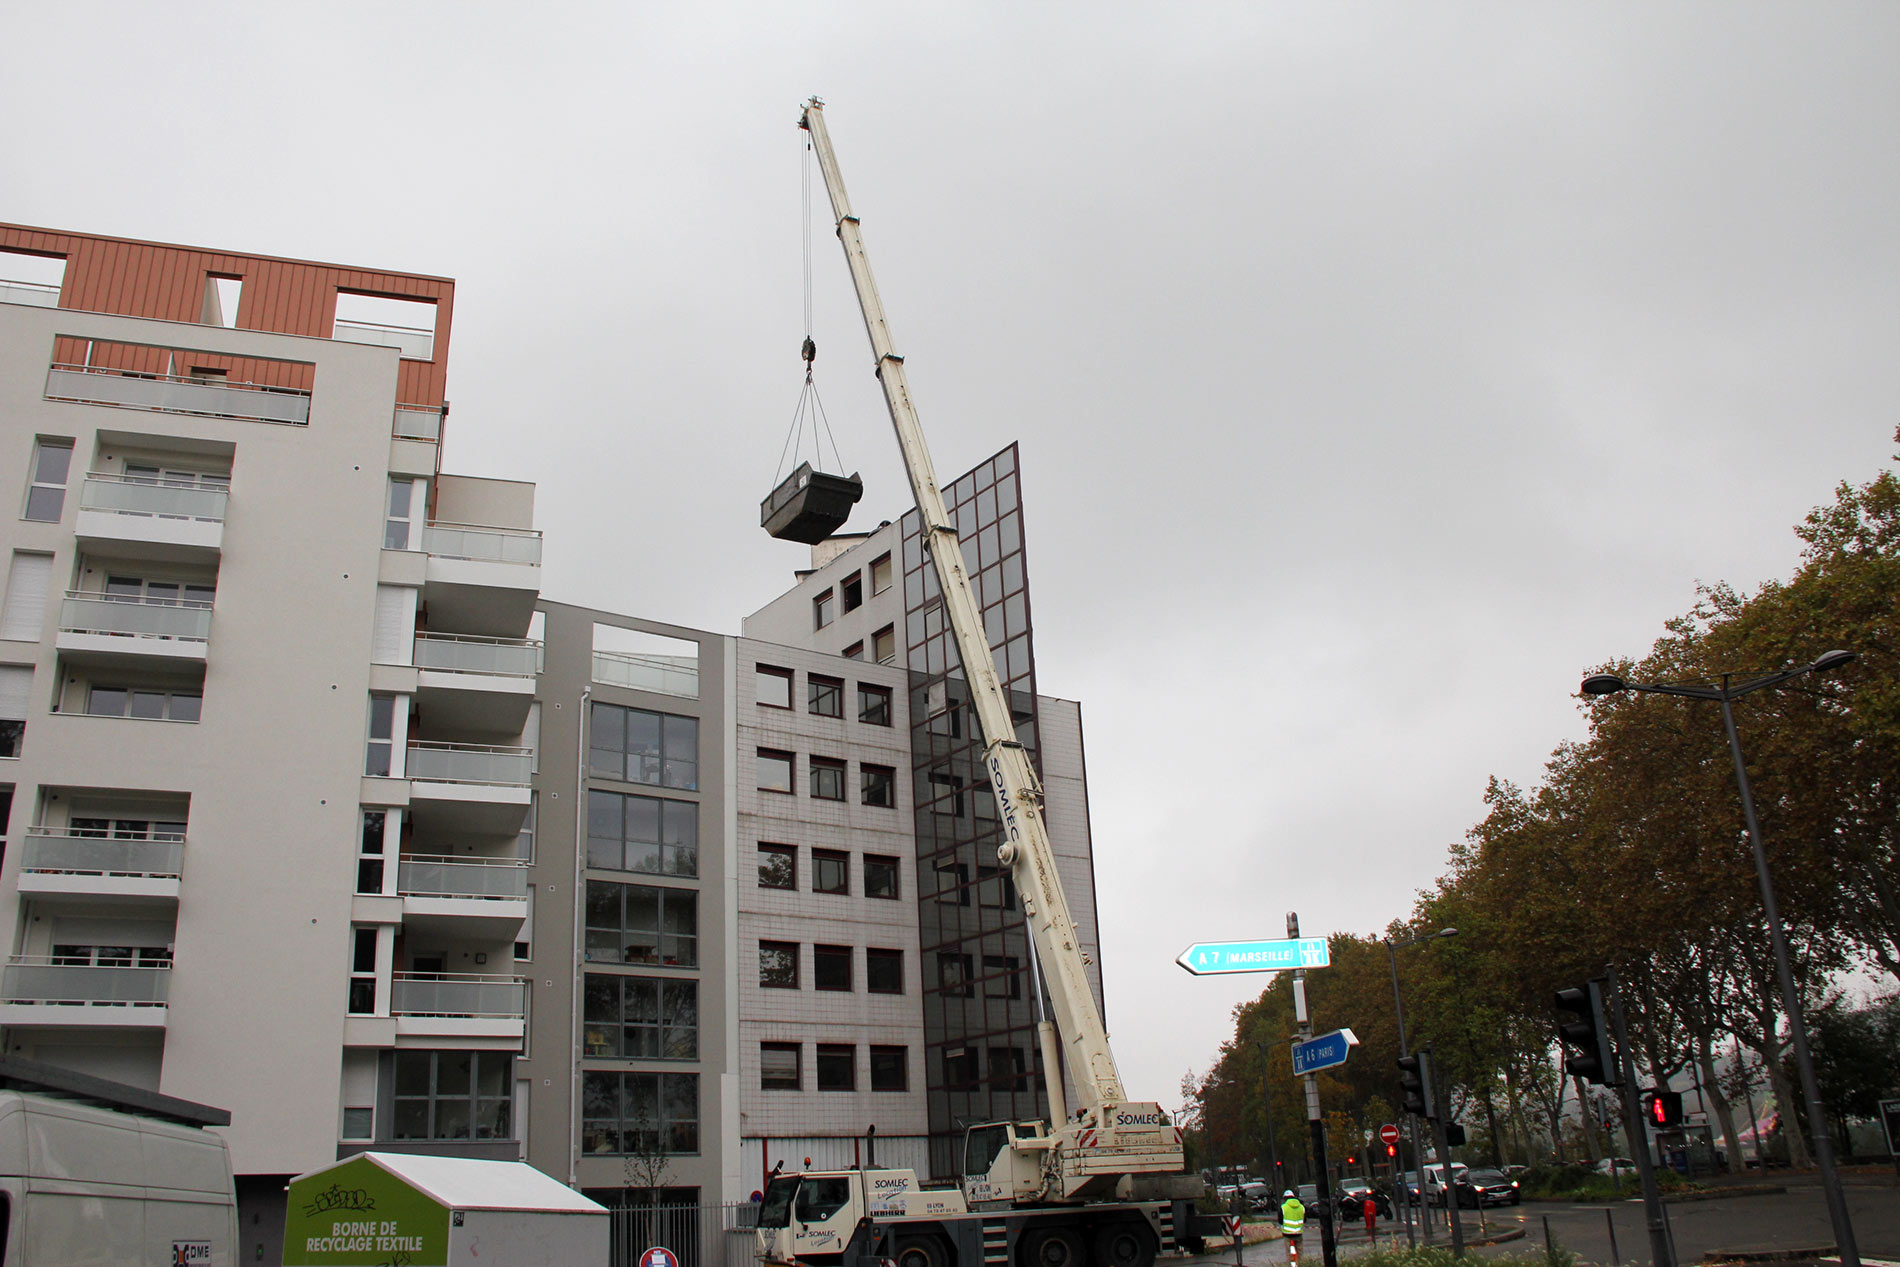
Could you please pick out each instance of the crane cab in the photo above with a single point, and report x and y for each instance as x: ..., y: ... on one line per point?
x: 810, y: 505
x: 1003, y: 1161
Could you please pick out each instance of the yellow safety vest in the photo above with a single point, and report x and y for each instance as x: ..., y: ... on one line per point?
x: 1292, y: 1217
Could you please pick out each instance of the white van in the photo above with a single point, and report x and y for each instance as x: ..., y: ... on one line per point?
x: 102, y: 1177
x: 1435, y: 1181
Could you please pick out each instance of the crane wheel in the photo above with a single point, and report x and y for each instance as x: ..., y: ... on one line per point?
x: 1126, y: 1244
x: 1055, y: 1247
x: 920, y: 1252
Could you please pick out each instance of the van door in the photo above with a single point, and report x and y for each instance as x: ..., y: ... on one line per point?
x: 823, y: 1216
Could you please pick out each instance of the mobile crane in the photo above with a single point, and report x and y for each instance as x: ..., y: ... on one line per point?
x: 1102, y: 1185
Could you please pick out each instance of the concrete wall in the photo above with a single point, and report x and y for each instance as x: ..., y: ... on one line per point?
x: 788, y: 621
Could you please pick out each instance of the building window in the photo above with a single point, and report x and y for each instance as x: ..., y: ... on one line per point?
x: 642, y: 833
x: 874, y: 704
x: 854, y: 652
x: 641, y: 1018
x: 778, y: 965
x: 831, y: 968
x: 837, y: 1067
x: 1008, y: 1070
x: 46, y: 493
x: 946, y: 794
x: 16, y: 684
x: 369, y: 855
x: 995, y: 888
x: 953, y: 883
x: 877, y: 785
x: 778, y: 1067
x: 362, y: 971
x: 852, y: 592
x: 454, y: 1095
x: 830, y: 871
x: 880, y: 876
x: 524, y: 839
x: 884, y: 645
x: 774, y: 686
x: 775, y: 770
x: 827, y: 779
x: 1003, y: 977
x: 636, y: 746
x: 881, y: 573
x: 947, y: 724
x: 954, y: 976
x: 380, y: 753
x: 640, y: 1114
x: 119, y: 701
x: 827, y: 696
x: 640, y: 923
x: 959, y: 1069
x: 884, y: 971
x: 821, y: 610
x: 890, y: 1068
x: 399, y: 521
x: 359, y: 1123
x: 778, y: 866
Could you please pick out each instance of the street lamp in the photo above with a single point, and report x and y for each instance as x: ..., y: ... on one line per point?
x: 1398, y: 1005
x: 1726, y: 694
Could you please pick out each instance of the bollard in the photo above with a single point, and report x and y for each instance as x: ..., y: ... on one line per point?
x: 1616, y: 1259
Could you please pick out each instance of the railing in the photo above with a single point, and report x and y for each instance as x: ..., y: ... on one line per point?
x: 178, y: 394
x: 698, y: 1235
x: 487, y: 545
x: 470, y: 763
x: 65, y: 853
x: 416, y: 342
x: 148, y: 498
x: 457, y: 994
x: 39, y: 979
x: 508, y: 657
x: 664, y: 675
x: 131, y: 617
x: 424, y: 876
x: 36, y: 294
x: 418, y: 422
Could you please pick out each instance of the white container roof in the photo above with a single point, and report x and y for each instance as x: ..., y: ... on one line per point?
x: 465, y: 1183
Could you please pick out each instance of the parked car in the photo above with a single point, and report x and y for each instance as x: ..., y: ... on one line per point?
x: 1479, y: 1188
x: 1624, y: 1166
x: 1408, y: 1187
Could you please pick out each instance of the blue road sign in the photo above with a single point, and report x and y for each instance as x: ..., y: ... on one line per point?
x: 1322, y: 1052
x: 1208, y: 958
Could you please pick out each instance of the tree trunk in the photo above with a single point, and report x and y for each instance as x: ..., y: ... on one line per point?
x: 1786, y: 1099
x: 1491, y: 1119
x: 1724, y: 1115
x: 1588, y: 1115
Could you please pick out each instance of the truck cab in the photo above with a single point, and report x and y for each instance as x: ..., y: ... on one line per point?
x: 812, y: 1217
x: 1003, y: 1162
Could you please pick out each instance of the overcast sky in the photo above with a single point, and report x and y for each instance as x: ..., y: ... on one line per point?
x: 1377, y: 368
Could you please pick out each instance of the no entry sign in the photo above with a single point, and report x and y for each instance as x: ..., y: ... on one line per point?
x: 1388, y: 1134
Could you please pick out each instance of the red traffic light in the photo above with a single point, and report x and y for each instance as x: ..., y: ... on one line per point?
x: 1658, y: 1111
x: 1391, y: 1150
x: 1663, y: 1108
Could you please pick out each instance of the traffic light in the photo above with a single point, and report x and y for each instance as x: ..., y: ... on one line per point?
x: 1454, y: 1135
x: 1415, y: 1085
x: 1588, y: 1052
x: 1663, y: 1107
x: 1391, y: 1151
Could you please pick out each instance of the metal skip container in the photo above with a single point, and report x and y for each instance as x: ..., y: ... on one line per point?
x: 810, y: 505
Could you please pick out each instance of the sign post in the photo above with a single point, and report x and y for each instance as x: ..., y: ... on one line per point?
x: 1212, y: 958
x: 1322, y: 1182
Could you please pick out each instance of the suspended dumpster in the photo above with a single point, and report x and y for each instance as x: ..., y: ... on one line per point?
x: 810, y: 505
x: 378, y: 1208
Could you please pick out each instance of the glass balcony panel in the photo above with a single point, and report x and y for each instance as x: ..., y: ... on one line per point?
x: 32, y: 293
x: 511, y: 658
x: 450, y: 877
x: 92, y: 855
x: 488, y: 545
x: 665, y: 675
x: 415, y: 342
x: 134, y: 618
x: 35, y: 980
x: 418, y: 423
x: 470, y: 763
x: 454, y: 994
x: 121, y: 496
x: 173, y: 394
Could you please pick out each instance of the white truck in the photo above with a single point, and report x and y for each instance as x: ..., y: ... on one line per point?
x: 1102, y: 1185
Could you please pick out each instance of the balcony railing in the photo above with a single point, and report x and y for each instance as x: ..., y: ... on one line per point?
x: 457, y: 994
x: 416, y: 343
x: 173, y: 393
x: 666, y: 675
x: 152, y: 498
x: 507, y: 657
x: 135, y: 617
x: 424, y: 876
x: 418, y: 422
x: 38, y: 979
x: 470, y: 763
x: 36, y: 294
x: 64, y: 853
x: 487, y: 545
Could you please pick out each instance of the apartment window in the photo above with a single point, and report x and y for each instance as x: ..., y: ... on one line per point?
x: 854, y: 652
x: 778, y: 1066
x: 524, y: 949
x: 46, y: 493
x: 890, y: 1068
x: 640, y: 1114
x: 29, y: 591
x: 454, y: 1095
x: 826, y: 696
x: 1008, y: 1069
x: 821, y: 610
x: 953, y: 883
x: 640, y: 1018
x: 830, y: 871
x: 399, y: 522
x: 145, y: 705
x: 880, y: 876
x: 1002, y: 977
x: 778, y: 866
x: 877, y: 785
x: 642, y: 833
x: 851, y: 591
x: 837, y: 1067
x: 359, y: 1123
x: 946, y: 794
x: 874, y: 704
x: 639, y: 923
x: 127, y: 828
x: 881, y: 573
x: 883, y: 971
x: 959, y: 1067
x: 67, y: 955
x: 995, y: 888
x: 827, y: 779
x: 380, y: 752
x: 369, y: 854
x: 775, y: 770
x: 636, y: 746
x: 954, y: 975
x: 778, y: 965
x: 831, y: 968
x: 524, y: 839
x: 773, y: 685
x: 884, y: 645
x: 363, y: 971
x: 137, y: 589
x: 16, y: 687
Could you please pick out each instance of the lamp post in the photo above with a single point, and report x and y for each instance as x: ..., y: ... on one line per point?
x: 1726, y: 694
x: 1398, y: 1006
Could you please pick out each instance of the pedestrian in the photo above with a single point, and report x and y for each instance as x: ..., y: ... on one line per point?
x: 1292, y: 1223
x: 1369, y: 1205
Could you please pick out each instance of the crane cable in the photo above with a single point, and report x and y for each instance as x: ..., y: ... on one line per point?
x: 809, y: 405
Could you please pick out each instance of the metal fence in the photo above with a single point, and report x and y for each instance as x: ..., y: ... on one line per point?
x: 699, y: 1235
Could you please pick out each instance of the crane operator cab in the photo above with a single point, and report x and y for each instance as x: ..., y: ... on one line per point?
x: 1003, y: 1161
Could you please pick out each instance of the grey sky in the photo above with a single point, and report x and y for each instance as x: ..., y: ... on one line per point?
x: 1377, y: 368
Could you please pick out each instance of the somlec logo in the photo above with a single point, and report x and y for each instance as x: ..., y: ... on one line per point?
x: 1137, y: 1119
x: 898, y: 1184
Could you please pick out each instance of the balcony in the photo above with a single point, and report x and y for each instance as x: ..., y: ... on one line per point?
x: 414, y: 342
x: 128, y: 630
x: 457, y: 1005
x: 466, y: 899
x: 149, y: 519
x: 36, y: 990
x: 418, y: 422
x: 481, y: 580
x: 33, y: 294
x: 109, y: 869
x: 177, y: 394
x: 468, y: 791
x: 663, y: 675
x: 476, y: 686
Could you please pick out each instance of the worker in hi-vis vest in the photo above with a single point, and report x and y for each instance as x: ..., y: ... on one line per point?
x: 1292, y: 1222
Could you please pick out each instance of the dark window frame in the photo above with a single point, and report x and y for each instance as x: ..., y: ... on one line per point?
x: 885, y: 863
x: 889, y: 1058
x: 661, y: 1131
x: 826, y: 778
x: 771, y: 849
x: 791, y: 948
x: 830, y: 1054
x: 883, y: 958
x: 667, y: 904
x: 874, y: 704
x: 877, y: 785
x: 773, y: 671
x: 822, y: 689
x: 826, y: 962
x: 823, y: 859
x: 791, y: 762
x: 674, y: 1027
x: 797, y: 1080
